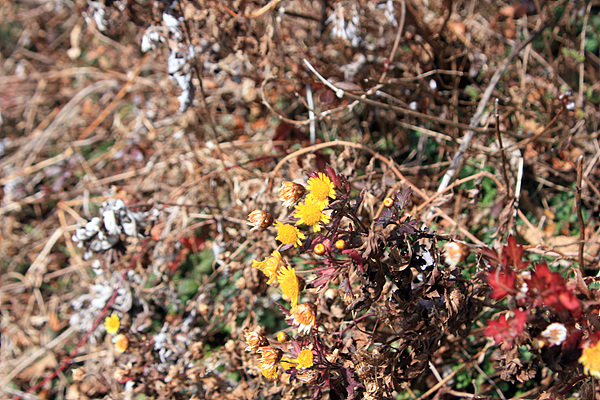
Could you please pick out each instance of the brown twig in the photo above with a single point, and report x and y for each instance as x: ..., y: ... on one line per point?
x: 578, y: 190
x: 457, y: 160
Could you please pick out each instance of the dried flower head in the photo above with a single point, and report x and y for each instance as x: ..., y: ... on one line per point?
x: 319, y: 249
x: 304, y: 317
x: 78, y: 374
x: 388, y: 202
x: 290, y: 193
x: 269, y: 355
x: 308, y: 376
x: 112, y: 323
x: 255, y: 340
x: 283, y: 337
x: 260, y: 220
x: 288, y: 234
x: 121, y: 343
x: 270, y: 266
x: 311, y: 213
x: 321, y: 189
x: 590, y: 359
x: 289, y: 284
x: 455, y: 253
x: 555, y: 333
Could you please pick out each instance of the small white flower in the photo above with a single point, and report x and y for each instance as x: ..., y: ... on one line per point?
x: 555, y: 333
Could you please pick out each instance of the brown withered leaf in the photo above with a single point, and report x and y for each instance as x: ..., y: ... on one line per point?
x: 454, y: 301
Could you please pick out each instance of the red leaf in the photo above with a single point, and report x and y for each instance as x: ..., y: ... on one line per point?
x: 512, y: 254
x: 505, y: 330
x: 491, y: 256
x: 502, y: 282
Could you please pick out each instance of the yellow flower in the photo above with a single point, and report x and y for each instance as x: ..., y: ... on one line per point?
x: 288, y: 234
x: 304, y: 316
x: 289, y: 284
x: 305, y: 359
x: 311, y: 213
x: 112, y: 323
x: 255, y: 340
x: 259, y: 219
x: 269, y: 371
x: 121, y: 343
x: 270, y: 266
x: 290, y: 193
x: 590, y: 359
x: 321, y: 188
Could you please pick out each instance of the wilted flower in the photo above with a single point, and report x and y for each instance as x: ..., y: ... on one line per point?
x: 269, y: 371
x: 590, y: 359
x: 288, y: 234
x: 321, y: 189
x: 290, y: 193
x: 304, y: 316
x: 269, y: 355
x: 454, y: 253
x: 555, y: 333
x: 121, y: 343
x: 112, y: 323
x: 270, y: 266
x: 289, y: 284
x: 311, y: 213
x: 255, y: 340
x: 259, y: 220
x: 308, y: 376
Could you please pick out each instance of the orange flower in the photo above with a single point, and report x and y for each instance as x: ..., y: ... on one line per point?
x: 121, y: 343
x: 304, y: 316
x: 290, y: 193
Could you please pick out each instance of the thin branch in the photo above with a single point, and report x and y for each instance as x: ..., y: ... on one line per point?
x: 482, y: 106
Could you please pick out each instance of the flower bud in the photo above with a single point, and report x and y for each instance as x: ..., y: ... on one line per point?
x: 340, y: 244
x: 282, y: 337
x: 290, y: 193
x: 319, y: 249
x: 259, y: 219
x: 388, y: 202
x: 255, y: 340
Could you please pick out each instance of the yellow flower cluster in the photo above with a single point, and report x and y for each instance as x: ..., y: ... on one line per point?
x: 311, y: 213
